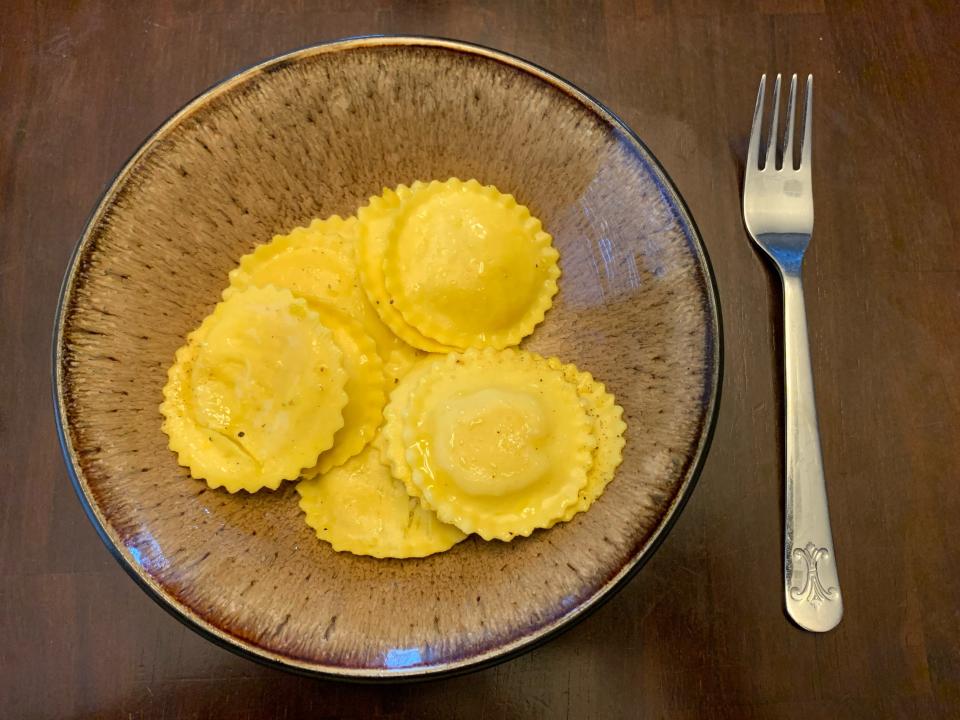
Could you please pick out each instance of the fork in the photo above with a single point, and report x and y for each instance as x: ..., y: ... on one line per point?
x: 778, y: 213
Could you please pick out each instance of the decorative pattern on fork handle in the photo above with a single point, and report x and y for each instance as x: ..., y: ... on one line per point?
x: 811, y: 588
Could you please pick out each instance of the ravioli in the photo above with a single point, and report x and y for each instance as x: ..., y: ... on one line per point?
x: 466, y: 265
x: 319, y: 263
x: 256, y: 394
x: 311, y: 262
x: 498, y: 443
x: 361, y: 509
x: 608, y: 427
x: 365, y: 389
x: 392, y: 448
x: 375, y: 221
x: 316, y: 364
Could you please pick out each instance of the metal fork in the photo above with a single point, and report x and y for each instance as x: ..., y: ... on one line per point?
x: 778, y: 212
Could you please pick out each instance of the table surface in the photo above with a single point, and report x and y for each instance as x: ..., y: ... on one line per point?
x: 701, y: 631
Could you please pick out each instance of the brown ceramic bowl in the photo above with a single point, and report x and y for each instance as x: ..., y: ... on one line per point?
x: 317, y: 132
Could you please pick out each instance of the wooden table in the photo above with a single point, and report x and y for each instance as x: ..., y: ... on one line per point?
x: 701, y: 632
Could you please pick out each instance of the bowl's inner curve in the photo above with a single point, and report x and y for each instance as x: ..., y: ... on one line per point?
x: 317, y: 135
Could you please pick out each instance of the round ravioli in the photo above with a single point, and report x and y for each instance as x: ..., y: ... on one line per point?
x: 311, y: 262
x: 361, y: 508
x: 376, y: 221
x: 392, y: 447
x: 365, y: 388
x: 256, y: 394
x: 608, y: 428
x: 498, y: 443
x: 319, y: 263
x: 467, y: 266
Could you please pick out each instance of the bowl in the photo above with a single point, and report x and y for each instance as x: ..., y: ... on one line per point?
x: 317, y: 132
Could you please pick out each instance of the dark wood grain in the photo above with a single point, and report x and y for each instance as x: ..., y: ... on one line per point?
x: 700, y: 633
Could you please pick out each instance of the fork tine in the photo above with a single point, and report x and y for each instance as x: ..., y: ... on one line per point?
x: 753, y: 150
x: 788, y: 145
x: 770, y: 159
x: 806, y: 150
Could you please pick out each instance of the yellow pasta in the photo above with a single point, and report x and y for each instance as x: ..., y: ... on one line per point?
x: 319, y: 263
x: 467, y: 266
x: 608, y: 427
x: 498, y: 443
x: 365, y: 389
x: 311, y: 262
x: 376, y: 220
x: 316, y: 364
x: 361, y: 509
x: 256, y: 394
x: 392, y: 447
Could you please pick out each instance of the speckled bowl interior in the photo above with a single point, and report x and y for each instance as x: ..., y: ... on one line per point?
x: 315, y: 133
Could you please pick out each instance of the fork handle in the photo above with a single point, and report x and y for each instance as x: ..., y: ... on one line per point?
x: 811, y: 583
